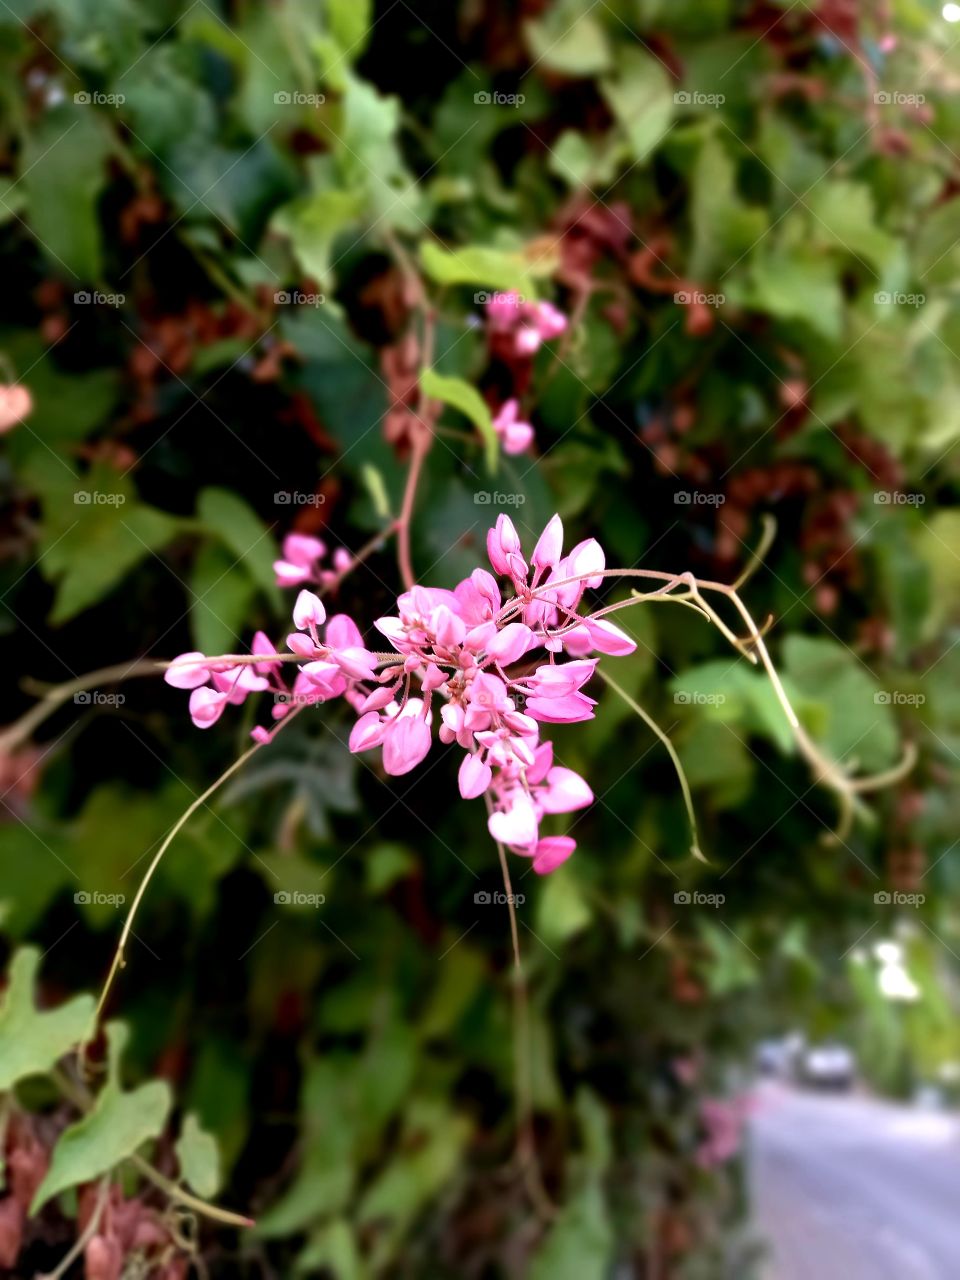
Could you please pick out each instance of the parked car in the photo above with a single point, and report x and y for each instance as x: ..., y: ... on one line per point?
x: 828, y: 1066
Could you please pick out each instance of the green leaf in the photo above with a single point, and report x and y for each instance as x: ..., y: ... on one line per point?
x: 222, y: 597
x: 434, y: 1139
x: 34, y: 869
x: 562, y: 908
x: 332, y: 1249
x: 640, y: 96
x: 460, y: 394
x: 855, y: 723
x: 843, y: 217
x: 724, y: 227
x: 114, y: 1130
x: 583, y: 161
x: 579, y: 1245
x: 385, y: 864
x: 240, y: 528
x: 313, y: 224
x: 798, y: 285
x: 199, y: 1158
x: 64, y: 168
x: 350, y: 23
x: 97, y: 554
x: 506, y: 269
x: 569, y: 39
x: 31, y: 1042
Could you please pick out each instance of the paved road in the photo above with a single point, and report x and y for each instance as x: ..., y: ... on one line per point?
x: 850, y: 1188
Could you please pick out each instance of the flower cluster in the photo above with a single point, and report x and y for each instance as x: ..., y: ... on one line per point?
x: 488, y: 671
x: 525, y: 326
x: 301, y: 562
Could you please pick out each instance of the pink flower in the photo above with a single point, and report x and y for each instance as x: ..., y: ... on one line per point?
x: 406, y: 742
x: 15, y: 404
x: 308, y: 612
x: 550, y: 852
x: 514, y: 434
x: 184, y: 674
x: 524, y: 326
x: 206, y: 706
x: 464, y: 650
x: 301, y: 556
x: 516, y: 824
x: 474, y: 776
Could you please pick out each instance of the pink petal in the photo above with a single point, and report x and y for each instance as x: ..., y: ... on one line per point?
x: 301, y: 644
x: 301, y: 549
x: 355, y: 662
x: 405, y: 743
x: 549, y: 545
x: 607, y: 638
x: 572, y: 708
x: 518, y: 438
x: 588, y: 557
x: 308, y: 610
x: 190, y: 675
x: 565, y: 791
x: 367, y: 732
x: 550, y: 852
x: 516, y: 825
x: 206, y: 706
x: 290, y: 575
x: 377, y: 700
x: 506, y: 417
x: 474, y: 777
x: 502, y: 542
x: 511, y: 643
x: 343, y: 633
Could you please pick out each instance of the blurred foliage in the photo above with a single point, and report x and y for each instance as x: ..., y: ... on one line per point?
x: 207, y: 216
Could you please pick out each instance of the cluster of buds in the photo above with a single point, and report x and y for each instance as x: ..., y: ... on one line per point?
x: 488, y: 671
x: 524, y: 326
x: 302, y: 559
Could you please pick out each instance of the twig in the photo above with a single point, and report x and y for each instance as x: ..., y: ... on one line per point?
x: 81, y: 1242
x: 118, y: 958
x: 526, y: 1149
x: 671, y: 751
